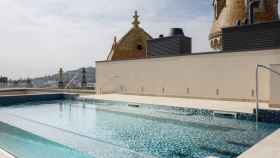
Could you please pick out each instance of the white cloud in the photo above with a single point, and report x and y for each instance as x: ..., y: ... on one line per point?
x: 39, y: 36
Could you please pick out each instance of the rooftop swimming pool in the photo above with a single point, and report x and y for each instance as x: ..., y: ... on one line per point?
x: 104, y: 129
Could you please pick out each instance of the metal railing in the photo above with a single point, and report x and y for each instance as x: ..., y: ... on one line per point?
x: 70, y: 82
x: 257, y: 86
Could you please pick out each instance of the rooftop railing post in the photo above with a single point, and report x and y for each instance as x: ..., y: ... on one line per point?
x: 257, y: 94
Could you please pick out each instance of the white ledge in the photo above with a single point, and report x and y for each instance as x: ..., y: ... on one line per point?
x: 267, y: 148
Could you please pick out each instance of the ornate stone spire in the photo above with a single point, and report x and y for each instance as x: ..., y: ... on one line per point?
x: 115, y: 40
x: 132, y: 45
x: 84, y: 78
x: 136, y: 21
x: 115, y: 43
x: 60, y: 79
x: 229, y: 13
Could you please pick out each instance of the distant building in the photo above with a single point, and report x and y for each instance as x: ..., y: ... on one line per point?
x: 229, y: 13
x: 133, y: 45
x: 29, y: 83
x: 15, y: 83
x: 246, y: 32
x: 3, y: 82
x: 91, y: 85
x: 138, y: 44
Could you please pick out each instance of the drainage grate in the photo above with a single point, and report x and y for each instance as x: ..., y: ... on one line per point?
x: 225, y: 114
x: 134, y: 105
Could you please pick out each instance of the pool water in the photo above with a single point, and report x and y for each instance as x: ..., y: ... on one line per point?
x: 146, y: 131
x: 26, y: 145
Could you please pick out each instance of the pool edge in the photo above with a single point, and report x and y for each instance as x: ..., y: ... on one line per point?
x: 5, y: 154
x: 268, y: 147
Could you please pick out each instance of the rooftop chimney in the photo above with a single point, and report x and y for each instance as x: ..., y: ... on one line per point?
x: 176, y: 32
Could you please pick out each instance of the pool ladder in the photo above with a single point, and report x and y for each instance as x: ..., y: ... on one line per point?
x: 257, y: 86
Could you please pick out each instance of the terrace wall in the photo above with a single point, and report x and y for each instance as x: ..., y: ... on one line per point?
x: 275, y: 87
x: 227, y: 76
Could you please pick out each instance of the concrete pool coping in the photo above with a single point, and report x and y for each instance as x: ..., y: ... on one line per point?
x: 268, y: 147
x: 10, y: 96
x: 215, y: 105
x: 4, y: 154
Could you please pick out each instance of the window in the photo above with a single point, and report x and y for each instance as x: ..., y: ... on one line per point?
x: 139, y: 47
x: 218, y: 7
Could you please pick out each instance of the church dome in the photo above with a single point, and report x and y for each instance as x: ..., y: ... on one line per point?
x: 133, y: 45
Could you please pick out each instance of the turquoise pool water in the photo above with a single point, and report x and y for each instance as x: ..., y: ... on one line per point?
x: 108, y: 129
x: 26, y: 145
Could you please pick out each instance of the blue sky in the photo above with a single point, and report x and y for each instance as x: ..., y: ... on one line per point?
x: 39, y: 36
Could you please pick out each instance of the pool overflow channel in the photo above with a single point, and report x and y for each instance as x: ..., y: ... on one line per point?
x: 215, y: 113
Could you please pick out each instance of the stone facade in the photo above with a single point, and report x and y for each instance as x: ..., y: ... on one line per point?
x: 228, y: 13
x: 133, y: 45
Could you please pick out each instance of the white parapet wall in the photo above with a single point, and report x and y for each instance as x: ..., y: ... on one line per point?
x: 228, y: 76
x: 275, y: 86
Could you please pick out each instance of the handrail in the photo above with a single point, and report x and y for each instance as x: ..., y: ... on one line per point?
x: 69, y: 83
x: 257, y: 86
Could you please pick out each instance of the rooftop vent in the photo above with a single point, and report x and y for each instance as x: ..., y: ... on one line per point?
x: 176, y: 32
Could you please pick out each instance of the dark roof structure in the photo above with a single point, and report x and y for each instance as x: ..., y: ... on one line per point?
x: 251, y: 37
x: 174, y: 44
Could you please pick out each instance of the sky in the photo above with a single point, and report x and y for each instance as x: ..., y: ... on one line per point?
x: 39, y: 36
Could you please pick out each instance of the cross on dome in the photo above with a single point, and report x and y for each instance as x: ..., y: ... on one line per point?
x: 136, y: 21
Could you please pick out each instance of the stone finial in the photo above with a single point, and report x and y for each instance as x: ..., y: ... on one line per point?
x: 84, y: 78
x: 115, y: 43
x: 60, y: 79
x: 136, y: 21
